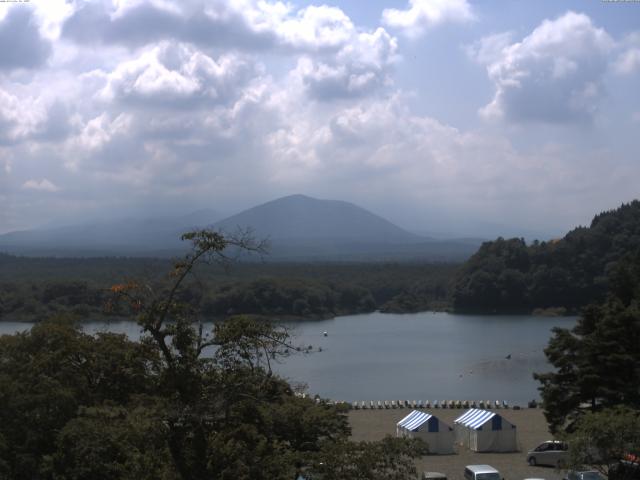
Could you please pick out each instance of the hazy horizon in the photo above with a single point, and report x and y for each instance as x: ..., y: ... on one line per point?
x: 439, y: 230
x: 453, y: 117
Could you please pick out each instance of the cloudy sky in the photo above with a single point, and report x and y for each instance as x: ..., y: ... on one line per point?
x: 438, y: 114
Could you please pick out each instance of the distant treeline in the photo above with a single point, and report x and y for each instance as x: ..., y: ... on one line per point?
x: 565, y: 274
x: 32, y: 289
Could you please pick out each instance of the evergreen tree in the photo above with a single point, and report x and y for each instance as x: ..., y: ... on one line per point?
x: 598, y: 362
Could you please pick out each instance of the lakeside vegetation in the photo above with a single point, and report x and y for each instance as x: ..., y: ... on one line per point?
x: 31, y: 288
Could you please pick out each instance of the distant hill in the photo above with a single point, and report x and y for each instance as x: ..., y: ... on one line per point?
x: 301, y: 228
x: 130, y: 237
x: 570, y: 272
x: 298, y: 217
x: 298, y: 228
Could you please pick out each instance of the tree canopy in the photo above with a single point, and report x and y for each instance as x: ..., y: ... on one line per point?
x: 597, y: 363
x: 76, y: 407
x: 571, y: 272
x: 606, y: 441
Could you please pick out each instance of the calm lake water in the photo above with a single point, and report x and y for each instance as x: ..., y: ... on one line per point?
x: 435, y: 356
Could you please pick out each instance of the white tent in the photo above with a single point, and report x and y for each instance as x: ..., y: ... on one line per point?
x: 485, y: 431
x: 438, y: 435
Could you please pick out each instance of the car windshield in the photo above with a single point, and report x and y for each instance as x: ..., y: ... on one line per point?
x: 491, y: 476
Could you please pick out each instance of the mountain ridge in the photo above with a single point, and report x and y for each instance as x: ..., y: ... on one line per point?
x: 298, y: 227
x: 298, y: 217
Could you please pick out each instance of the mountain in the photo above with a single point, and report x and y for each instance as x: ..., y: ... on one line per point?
x: 298, y: 217
x: 301, y: 228
x: 298, y: 228
x: 130, y: 237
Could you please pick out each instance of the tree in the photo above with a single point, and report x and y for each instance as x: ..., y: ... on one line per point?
x: 179, y: 404
x: 597, y: 363
x: 229, y: 415
x: 48, y: 373
x: 112, y: 442
x: 602, y: 439
x: 388, y: 459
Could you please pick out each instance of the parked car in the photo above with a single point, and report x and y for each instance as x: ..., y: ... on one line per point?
x: 433, y: 476
x: 552, y: 453
x: 583, y: 475
x: 481, y: 472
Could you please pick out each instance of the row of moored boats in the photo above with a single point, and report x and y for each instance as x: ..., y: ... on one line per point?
x: 386, y: 404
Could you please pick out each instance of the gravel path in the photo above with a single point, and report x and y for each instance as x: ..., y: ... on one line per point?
x: 532, y: 430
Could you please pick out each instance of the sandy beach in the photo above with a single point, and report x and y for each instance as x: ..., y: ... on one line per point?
x: 532, y: 430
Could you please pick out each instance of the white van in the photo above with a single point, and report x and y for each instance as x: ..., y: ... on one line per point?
x: 481, y: 472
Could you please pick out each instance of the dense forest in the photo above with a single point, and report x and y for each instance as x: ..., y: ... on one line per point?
x: 565, y: 274
x: 31, y: 288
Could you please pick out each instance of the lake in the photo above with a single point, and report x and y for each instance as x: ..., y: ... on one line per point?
x: 434, y: 356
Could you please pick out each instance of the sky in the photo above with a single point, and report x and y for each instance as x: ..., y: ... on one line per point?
x: 441, y: 115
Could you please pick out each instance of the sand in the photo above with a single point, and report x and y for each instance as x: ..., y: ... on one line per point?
x: 532, y: 430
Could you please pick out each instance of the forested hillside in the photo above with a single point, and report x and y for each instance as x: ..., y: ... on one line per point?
x: 569, y: 273
x: 31, y: 288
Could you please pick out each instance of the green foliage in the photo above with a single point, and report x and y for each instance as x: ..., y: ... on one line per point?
x: 602, y: 439
x: 389, y: 459
x: 47, y: 374
x: 508, y: 275
x: 597, y: 363
x: 294, y: 298
x: 78, y: 407
x: 31, y: 288
x: 112, y: 442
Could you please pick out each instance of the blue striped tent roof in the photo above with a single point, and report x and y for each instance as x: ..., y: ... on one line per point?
x: 414, y: 420
x: 474, y: 418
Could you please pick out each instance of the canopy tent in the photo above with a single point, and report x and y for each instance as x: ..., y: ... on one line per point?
x: 485, y: 431
x: 438, y: 435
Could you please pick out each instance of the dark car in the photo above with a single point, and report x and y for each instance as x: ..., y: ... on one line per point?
x: 583, y: 475
x: 628, y: 468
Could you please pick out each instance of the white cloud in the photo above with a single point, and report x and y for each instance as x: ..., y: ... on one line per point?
x: 553, y: 75
x: 195, y: 102
x: 423, y: 14
x: 22, y: 45
x: 51, y: 15
x: 314, y: 28
x: 628, y: 61
x: 358, y: 69
x: 20, y: 117
x: 242, y: 24
x: 490, y: 49
x: 177, y: 75
x: 43, y: 185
